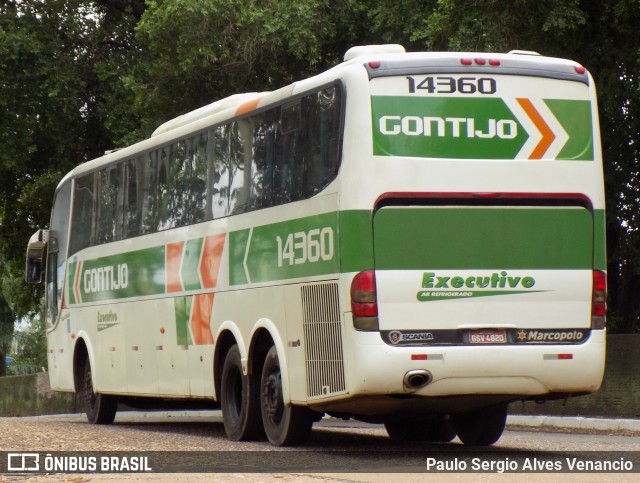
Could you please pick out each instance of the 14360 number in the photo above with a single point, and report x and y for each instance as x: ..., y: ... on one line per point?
x: 306, y: 247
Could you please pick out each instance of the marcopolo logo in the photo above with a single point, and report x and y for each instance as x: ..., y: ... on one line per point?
x: 552, y: 336
x: 442, y: 286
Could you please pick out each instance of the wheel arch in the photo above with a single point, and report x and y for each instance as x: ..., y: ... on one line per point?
x: 82, y: 352
x: 228, y: 335
x: 265, y: 334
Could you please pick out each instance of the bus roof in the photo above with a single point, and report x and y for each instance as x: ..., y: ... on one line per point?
x: 379, y: 61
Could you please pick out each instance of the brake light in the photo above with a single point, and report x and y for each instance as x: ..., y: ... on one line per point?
x: 480, y: 61
x: 364, y: 305
x: 599, y: 300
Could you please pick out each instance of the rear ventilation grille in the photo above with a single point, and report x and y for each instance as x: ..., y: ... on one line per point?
x: 323, y: 340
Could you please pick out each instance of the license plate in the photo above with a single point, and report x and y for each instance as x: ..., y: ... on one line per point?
x: 486, y: 337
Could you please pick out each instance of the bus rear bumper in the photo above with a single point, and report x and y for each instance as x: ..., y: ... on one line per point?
x: 517, y: 370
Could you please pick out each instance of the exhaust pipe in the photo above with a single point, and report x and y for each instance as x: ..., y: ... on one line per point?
x: 416, y: 379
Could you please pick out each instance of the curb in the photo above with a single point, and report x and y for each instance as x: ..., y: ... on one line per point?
x: 575, y: 422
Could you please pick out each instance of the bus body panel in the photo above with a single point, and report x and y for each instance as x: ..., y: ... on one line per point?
x: 475, y: 195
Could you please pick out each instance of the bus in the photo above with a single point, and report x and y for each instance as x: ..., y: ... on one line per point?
x: 409, y: 239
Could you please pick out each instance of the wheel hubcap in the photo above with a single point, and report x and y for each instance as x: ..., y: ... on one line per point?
x: 272, y: 396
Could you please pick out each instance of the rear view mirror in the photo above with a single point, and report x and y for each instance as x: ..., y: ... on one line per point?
x: 35, y: 256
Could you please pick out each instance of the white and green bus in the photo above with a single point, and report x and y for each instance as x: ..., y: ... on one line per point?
x: 414, y: 239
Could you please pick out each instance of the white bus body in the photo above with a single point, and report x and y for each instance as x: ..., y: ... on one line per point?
x: 415, y: 239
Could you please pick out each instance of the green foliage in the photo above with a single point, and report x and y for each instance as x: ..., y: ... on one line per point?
x: 62, y: 65
x: 29, y: 352
x: 209, y: 49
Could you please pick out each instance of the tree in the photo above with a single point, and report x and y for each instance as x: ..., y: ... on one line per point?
x: 30, y: 355
x: 208, y: 49
x: 63, y: 99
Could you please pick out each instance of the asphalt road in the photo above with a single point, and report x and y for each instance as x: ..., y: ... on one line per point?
x: 341, y: 451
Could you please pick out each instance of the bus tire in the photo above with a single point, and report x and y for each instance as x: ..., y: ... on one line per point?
x: 240, y: 400
x: 284, y: 425
x: 100, y: 408
x: 482, y: 427
x: 437, y: 429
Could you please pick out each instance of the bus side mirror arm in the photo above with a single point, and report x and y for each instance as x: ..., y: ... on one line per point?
x: 35, y: 256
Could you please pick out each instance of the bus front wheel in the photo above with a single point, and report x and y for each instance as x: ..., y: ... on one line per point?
x: 240, y: 400
x: 285, y: 425
x: 100, y: 408
x: 482, y: 427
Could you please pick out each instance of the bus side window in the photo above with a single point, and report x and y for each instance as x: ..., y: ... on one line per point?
x: 147, y: 199
x: 321, y: 111
x: 164, y: 191
x: 110, y: 204
x: 133, y: 206
x: 82, y: 231
x: 198, y: 209
x: 239, y: 169
x: 290, y: 117
x: 52, y: 282
x: 220, y: 175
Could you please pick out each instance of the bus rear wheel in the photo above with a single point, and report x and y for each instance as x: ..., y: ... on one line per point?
x: 240, y: 400
x: 436, y: 429
x: 482, y: 427
x: 100, y: 408
x: 285, y: 425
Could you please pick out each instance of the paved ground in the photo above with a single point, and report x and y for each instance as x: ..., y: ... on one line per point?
x: 70, y: 433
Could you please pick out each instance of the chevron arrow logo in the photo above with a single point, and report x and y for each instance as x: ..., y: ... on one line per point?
x: 547, y: 137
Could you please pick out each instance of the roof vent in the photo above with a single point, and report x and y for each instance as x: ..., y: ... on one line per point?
x: 208, y: 110
x: 361, y: 50
x: 523, y: 52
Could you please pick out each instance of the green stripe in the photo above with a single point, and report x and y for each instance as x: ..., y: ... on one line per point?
x: 575, y: 117
x: 405, y: 238
x: 72, y: 279
x: 183, y: 313
x: 237, y: 246
x: 303, y: 247
x: 190, y: 266
x: 470, y: 128
x: 356, y: 240
x: 459, y: 128
x: 436, y: 295
x: 483, y: 238
x: 600, y: 245
x: 145, y: 270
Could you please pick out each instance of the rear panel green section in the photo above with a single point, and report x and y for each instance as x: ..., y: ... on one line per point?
x: 483, y: 238
x: 356, y: 241
x: 478, y: 128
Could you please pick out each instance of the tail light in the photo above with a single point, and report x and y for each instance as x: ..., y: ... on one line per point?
x: 599, y: 300
x: 364, y: 304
